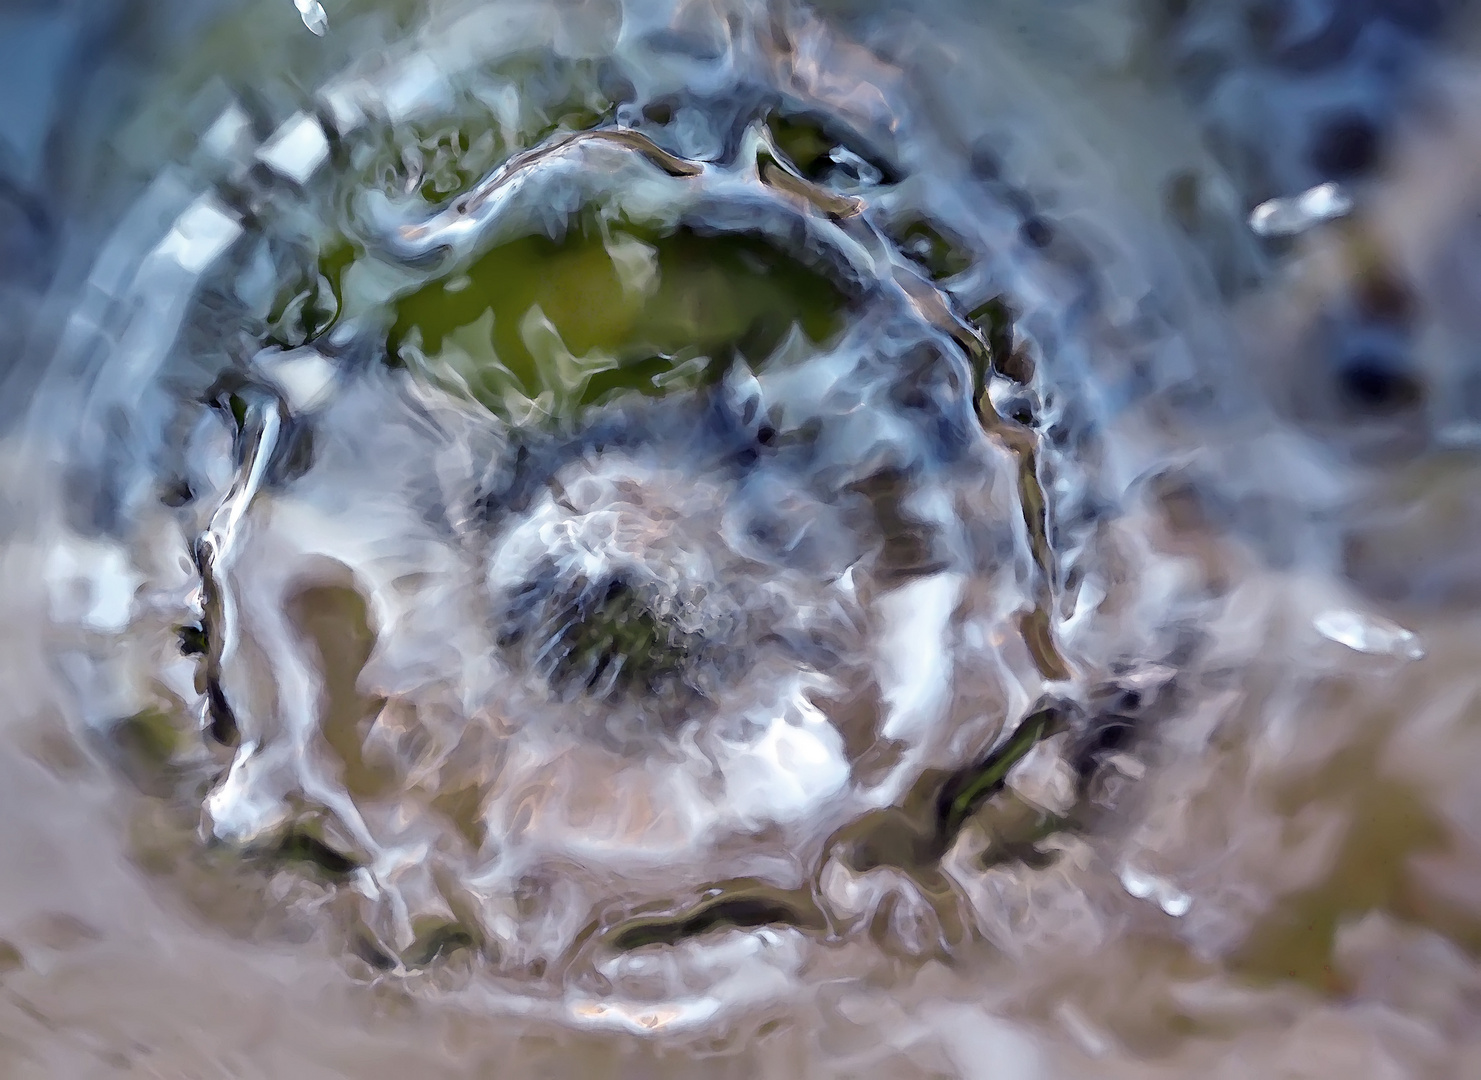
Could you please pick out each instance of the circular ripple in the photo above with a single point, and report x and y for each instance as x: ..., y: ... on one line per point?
x: 622, y: 558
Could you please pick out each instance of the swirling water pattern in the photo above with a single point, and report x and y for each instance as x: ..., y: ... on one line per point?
x: 660, y: 529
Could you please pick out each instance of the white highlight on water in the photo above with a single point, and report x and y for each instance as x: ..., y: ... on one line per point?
x: 296, y: 149
x: 1171, y: 899
x: 203, y: 232
x: 1369, y: 634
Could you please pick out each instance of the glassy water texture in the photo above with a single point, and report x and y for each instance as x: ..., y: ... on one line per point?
x: 658, y: 537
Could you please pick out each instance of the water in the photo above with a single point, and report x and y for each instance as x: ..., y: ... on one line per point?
x: 552, y: 539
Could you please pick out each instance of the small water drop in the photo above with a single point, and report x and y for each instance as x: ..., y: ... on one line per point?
x: 314, y: 16
x: 1295, y: 214
x: 1369, y: 634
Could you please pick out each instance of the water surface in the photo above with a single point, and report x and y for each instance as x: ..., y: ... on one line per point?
x: 664, y: 537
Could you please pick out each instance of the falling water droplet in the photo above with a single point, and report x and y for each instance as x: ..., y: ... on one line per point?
x: 313, y: 15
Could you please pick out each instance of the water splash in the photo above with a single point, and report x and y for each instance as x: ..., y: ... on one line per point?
x: 621, y: 519
x: 682, y: 584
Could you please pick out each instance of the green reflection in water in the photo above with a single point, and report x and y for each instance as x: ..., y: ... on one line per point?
x: 607, y: 311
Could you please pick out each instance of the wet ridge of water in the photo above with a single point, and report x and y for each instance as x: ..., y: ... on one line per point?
x: 619, y: 518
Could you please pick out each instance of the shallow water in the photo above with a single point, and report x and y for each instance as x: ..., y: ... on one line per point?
x: 663, y: 537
